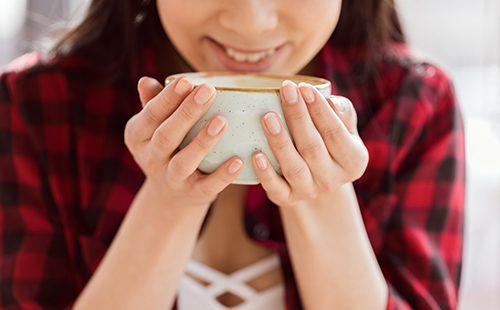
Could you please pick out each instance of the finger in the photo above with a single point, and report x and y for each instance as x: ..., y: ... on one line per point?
x: 156, y: 110
x: 148, y: 88
x: 293, y: 167
x: 345, y: 111
x: 186, y: 161
x: 359, y: 154
x: 306, y: 137
x: 169, y: 135
x: 341, y: 144
x: 275, y: 186
x: 214, y: 183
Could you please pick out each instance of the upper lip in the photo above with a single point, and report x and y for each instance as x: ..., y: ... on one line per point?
x: 243, y: 50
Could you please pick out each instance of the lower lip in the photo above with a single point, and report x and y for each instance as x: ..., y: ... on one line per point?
x: 233, y: 65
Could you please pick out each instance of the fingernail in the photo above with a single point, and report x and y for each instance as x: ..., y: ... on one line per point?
x: 289, y: 91
x: 307, y: 92
x: 182, y: 86
x: 204, y: 93
x: 340, y: 103
x: 147, y: 81
x: 235, y: 165
x: 272, y: 123
x: 215, y: 126
x: 261, y: 161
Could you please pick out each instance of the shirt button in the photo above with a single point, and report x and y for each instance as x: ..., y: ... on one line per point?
x: 261, y: 231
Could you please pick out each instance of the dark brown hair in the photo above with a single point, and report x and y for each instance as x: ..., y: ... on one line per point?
x: 109, y: 33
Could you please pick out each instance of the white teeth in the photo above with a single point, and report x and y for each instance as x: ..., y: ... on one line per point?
x: 249, y: 57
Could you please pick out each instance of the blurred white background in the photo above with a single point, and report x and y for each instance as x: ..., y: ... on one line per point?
x: 463, y: 36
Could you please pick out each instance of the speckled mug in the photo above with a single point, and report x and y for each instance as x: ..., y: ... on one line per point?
x: 243, y: 98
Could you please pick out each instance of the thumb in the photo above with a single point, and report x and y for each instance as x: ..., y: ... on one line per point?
x: 344, y: 109
x: 148, y: 89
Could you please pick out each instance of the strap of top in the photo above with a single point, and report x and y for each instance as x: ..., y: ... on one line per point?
x: 256, y: 269
x: 234, y: 281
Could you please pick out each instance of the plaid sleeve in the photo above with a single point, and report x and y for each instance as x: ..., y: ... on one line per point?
x: 421, y: 252
x: 35, y: 269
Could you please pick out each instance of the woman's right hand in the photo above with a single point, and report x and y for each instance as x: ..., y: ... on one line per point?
x: 154, y: 134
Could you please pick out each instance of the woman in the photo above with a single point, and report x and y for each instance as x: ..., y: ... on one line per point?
x: 80, y: 150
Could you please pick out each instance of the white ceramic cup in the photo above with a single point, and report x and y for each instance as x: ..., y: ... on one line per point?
x: 243, y: 98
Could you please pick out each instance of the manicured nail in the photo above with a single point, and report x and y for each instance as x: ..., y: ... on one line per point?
x: 182, y: 86
x: 261, y: 161
x: 307, y: 92
x: 235, y: 165
x: 289, y: 91
x: 272, y: 123
x: 216, y: 125
x: 204, y: 93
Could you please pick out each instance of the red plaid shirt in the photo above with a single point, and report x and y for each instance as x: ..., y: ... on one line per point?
x: 67, y: 179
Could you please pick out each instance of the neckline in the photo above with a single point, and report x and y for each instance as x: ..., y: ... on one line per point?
x: 245, y: 273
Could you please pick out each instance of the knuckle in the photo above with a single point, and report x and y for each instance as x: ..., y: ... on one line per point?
x: 132, y: 132
x: 311, y: 194
x: 281, y: 145
x: 310, y: 149
x: 360, y: 165
x: 150, y: 115
x: 364, y: 158
x: 161, y: 139
x: 169, y: 94
x: 201, y: 143
x: 332, y: 132
x: 297, y: 172
x: 328, y: 184
x: 296, y: 115
x: 186, y: 113
x: 356, y: 167
x: 176, y: 167
x: 129, y: 134
x: 317, y: 113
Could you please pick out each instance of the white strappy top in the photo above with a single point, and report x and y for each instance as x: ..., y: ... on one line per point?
x: 193, y: 295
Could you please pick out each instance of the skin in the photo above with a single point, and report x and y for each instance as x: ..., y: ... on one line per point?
x: 252, y: 25
x: 332, y: 258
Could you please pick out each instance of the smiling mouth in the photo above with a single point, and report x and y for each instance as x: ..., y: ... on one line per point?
x: 246, y: 56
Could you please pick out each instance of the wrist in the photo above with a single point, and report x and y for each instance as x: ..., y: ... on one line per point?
x: 335, y: 199
x: 311, y: 217
x: 161, y: 202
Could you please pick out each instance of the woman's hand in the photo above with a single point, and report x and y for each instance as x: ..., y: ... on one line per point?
x: 147, y: 257
x: 328, y: 151
x: 154, y: 134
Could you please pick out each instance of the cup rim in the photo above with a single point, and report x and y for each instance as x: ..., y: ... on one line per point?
x: 316, y: 82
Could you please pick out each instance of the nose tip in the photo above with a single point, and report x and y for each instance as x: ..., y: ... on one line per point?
x: 249, y: 17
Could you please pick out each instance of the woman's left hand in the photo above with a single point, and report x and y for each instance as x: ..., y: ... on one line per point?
x: 328, y: 151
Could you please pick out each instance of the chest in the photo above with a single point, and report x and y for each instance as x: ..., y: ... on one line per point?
x: 225, y: 253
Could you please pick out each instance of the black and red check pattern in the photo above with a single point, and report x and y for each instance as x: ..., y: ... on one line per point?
x: 67, y: 179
